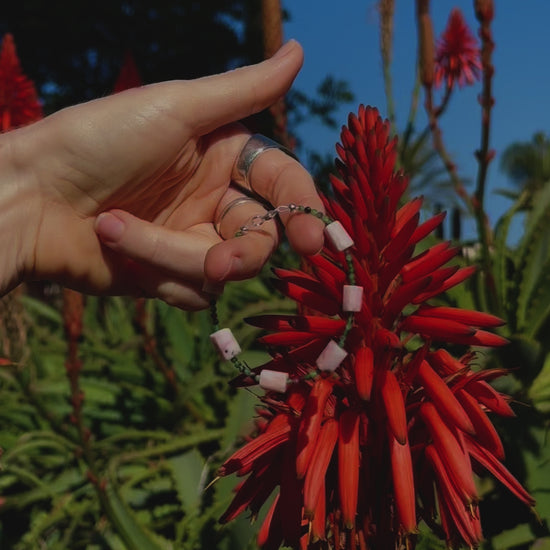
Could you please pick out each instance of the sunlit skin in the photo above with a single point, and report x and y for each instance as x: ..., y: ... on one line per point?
x: 119, y: 195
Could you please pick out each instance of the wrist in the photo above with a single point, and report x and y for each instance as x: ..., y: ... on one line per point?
x: 19, y: 215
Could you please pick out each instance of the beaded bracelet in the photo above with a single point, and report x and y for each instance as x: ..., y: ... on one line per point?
x: 334, y: 353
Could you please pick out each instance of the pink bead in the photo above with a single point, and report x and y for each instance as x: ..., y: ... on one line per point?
x: 338, y: 236
x: 271, y: 380
x: 225, y: 343
x: 352, y: 299
x: 331, y: 357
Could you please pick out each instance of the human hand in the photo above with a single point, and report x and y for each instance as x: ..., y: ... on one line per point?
x: 148, y: 170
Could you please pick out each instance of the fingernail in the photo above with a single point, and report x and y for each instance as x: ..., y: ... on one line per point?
x: 234, y: 269
x: 283, y: 50
x: 109, y: 227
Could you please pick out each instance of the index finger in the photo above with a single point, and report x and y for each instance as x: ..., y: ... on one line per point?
x: 282, y: 180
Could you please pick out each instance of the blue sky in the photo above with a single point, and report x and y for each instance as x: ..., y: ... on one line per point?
x: 342, y: 39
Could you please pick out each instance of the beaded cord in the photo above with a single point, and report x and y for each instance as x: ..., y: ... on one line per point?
x: 343, y: 242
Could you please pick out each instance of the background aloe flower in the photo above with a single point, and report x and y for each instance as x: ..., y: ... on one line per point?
x: 358, y: 457
x: 19, y: 103
x: 457, y: 58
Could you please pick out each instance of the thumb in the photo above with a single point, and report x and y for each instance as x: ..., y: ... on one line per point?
x: 216, y: 100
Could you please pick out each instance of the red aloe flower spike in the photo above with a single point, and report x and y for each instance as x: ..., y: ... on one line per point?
x: 403, y: 484
x: 451, y: 453
x: 485, y: 432
x: 443, y: 398
x: 488, y: 461
x: 457, y: 57
x: 310, y: 423
x: 19, y: 103
x: 348, y: 466
x: 414, y: 414
x: 319, y: 463
x: 392, y: 397
x: 364, y: 372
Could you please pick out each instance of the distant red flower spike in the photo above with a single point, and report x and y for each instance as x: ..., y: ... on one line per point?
x: 457, y: 57
x: 129, y: 76
x: 398, y: 399
x: 19, y: 103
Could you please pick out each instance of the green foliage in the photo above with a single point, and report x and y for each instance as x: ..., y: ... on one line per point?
x: 134, y: 474
x: 527, y: 164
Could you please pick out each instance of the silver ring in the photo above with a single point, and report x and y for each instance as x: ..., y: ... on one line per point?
x: 253, y: 148
x: 229, y: 206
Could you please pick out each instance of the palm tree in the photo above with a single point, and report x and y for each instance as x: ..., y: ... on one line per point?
x: 527, y: 164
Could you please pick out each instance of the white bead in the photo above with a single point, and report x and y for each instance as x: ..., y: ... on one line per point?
x: 225, y: 343
x: 338, y: 236
x: 331, y: 357
x: 271, y: 380
x: 352, y: 299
